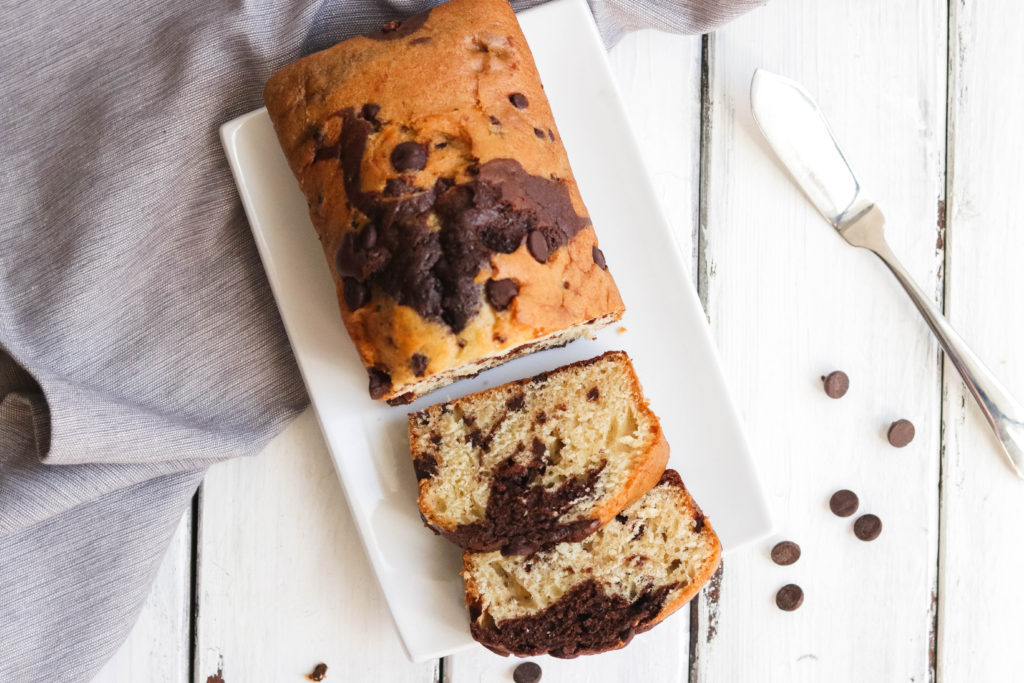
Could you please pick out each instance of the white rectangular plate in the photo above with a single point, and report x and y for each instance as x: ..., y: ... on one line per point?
x: 667, y: 336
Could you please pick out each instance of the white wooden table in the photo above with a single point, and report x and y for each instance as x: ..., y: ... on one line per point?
x: 266, y: 576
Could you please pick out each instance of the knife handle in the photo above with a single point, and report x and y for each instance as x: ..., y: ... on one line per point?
x: 1003, y: 412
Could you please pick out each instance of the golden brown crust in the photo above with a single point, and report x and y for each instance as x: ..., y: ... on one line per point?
x: 446, y: 85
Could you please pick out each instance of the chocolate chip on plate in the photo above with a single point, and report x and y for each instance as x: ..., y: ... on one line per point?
x: 901, y: 432
x: 843, y: 503
x: 319, y: 672
x: 789, y: 597
x: 785, y: 552
x: 527, y: 672
x: 501, y: 292
x: 867, y: 527
x: 518, y: 100
x: 836, y: 384
x: 409, y: 156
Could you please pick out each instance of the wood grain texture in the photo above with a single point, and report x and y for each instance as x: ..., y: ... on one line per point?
x: 790, y: 301
x: 658, y: 76
x: 282, y: 579
x: 981, y: 591
x: 157, y: 649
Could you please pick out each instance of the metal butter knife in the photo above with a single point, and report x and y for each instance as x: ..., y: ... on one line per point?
x: 800, y: 136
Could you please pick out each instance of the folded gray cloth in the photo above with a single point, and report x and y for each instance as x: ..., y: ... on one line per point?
x: 138, y: 340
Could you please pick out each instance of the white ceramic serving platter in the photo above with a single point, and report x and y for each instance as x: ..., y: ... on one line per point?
x: 666, y: 335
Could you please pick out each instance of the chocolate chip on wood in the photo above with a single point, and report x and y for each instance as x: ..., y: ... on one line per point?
x: 843, y: 503
x: 867, y: 527
x: 785, y: 553
x: 789, y: 597
x: 837, y: 383
x: 901, y: 433
x: 527, y: 672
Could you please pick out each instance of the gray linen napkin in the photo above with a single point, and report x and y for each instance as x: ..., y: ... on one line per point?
x: 138, y: 340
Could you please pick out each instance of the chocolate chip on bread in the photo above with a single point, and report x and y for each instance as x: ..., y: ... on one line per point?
x: 538, y: 461
x: 595, y: 595
x: 442, y: 196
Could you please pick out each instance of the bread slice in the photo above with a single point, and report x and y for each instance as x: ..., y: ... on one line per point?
x: 539, y: 461
x: 595, y: 595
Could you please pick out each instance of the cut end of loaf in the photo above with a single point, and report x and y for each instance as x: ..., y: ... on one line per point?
x: 592, y: 596
x: 539, y: 461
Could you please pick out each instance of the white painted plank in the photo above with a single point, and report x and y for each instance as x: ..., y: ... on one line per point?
x: 157, y: 650
x: 981, y: 591
x: 789, y: 301
x: 659, y: 79
x: 282, y: 579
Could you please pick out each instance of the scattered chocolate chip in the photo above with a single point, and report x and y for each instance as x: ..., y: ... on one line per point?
x: 901, y: 432
x: 539, y: 133
x: 495, y: 120
x: 516, y: 403
x: 565, y: 285
x: 541, y: 417
x: 436, y: 438
x: 518, y: 100
x: 501, y: 292
x: 409, y: 156
x: 357, y: 294
x: 551, y: 135
x: 598, y: 256
x: 789, y: 597
x: 622, y: 519
x: 419, y: 41
x: 527, y: 672
x: 593, y: 394
x: 380, y: 383
x: 319, y: 672
x: 418, y: 363
x: 538, y: 246
x: 843, y: 503
x: 698, y: 522
x: 441, y: 145
x: 867, y: 527
x: 538, y: 447
x: 836, y: 384
x: 785, y: 553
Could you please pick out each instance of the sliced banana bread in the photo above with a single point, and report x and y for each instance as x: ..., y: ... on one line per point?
x: 595, y: 595
x: 539, y: 461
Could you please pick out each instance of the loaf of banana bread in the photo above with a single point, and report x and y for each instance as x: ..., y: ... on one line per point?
x: 442, y: 195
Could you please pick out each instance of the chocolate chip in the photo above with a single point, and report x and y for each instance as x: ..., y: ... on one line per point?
x: 527, y: 672
x: 541, y: 417
x: 538, y: 448
x: 495, y: 120
x: 418, y: 363
x: 357, y: 294
x: 622, y: 519
x: 786, y: 552
x: 593, y: 394
x: 380, y: 383
x: 836, y: 384
x: 319, y: 672
x: 368, y: 237
x: 518, y: 100
x: 598, y: 257
x: 843, y: 503
x: 901, y: 432
x: 436, y: 439
x: 539, y: 133
x: 789, y: 597
x: 867, y: 527
x: 420, y: 41
x: 698, y: 522
x: 516, y: 403
x: 538, y: 246
x: 551, y: 135
x: 500, y: 293
x: 370, y: 112
x: 409, y: 156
